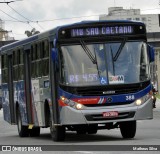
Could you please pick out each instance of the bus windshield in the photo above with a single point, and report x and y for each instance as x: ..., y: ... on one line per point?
x: 88, y: 64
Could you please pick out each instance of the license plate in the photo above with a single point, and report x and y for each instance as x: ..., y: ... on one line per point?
x: 110, y: 114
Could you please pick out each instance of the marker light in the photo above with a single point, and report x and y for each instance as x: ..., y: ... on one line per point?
x: 63, y: 98
x: 63, y: 32
x: 72, y: 103
x: 138, y: 102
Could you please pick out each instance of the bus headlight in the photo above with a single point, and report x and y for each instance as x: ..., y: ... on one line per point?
x: 72, y: 104
x: 79, y: 106
x: 143, y: 99
x: 138, y: 102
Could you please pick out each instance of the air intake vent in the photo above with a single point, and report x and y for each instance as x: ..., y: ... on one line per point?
x: 105, y: 90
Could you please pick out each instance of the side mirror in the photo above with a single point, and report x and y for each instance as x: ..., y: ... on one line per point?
x: 151, y: 53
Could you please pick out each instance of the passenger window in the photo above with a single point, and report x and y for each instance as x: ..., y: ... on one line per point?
x: 15, y: 65
x: 33, y: 69
x: 21, y: 61
x: 33, y: 52
x: 45, y: 61
x: 38, y: 50
x: 40, y: 59
x: 21, y: 65
x: 45, y: 49
x: 38, y: 68
x: 4, y: 68
x: 5, y: 75
x: 4, y: 61
x: 45, y: 67
x: 21, y: 72
x: 15, y: 73
x: 15, y: 57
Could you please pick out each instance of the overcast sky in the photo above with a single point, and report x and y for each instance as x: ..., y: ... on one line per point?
x: 46, y: 12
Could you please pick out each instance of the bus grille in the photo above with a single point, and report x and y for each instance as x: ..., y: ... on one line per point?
x: 105, y: 90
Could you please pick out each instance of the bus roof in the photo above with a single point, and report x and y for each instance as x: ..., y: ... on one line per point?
x: 54, y: 31
x: 27, y: 40
x: 101, y: 21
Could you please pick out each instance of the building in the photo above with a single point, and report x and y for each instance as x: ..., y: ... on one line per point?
x: 154, y: 40
x: 4, y: 34
x: 152, y: 22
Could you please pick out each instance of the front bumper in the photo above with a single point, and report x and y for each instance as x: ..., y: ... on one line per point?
x: 94, y: 115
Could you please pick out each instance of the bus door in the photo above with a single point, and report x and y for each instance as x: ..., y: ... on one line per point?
x: 27, y: 83
x: 11, y: 90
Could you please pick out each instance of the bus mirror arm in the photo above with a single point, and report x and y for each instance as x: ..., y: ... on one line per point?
x: 151, y: 52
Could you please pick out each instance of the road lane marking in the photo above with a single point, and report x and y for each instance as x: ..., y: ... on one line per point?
x: 87, y: 152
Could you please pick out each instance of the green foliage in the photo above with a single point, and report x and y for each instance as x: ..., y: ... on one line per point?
x: 158, y: 96
x: 32, y: 32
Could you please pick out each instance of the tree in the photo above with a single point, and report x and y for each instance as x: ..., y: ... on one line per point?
x: 32, y: 32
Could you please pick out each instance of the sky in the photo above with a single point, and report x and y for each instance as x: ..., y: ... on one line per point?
x: 43, y: 15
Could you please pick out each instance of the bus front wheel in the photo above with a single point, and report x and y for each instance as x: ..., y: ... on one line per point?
x: 92, y: 129
x: 22, y: 130
x: 128, y: 129
x: 57, y: 132
x: 34, y: 132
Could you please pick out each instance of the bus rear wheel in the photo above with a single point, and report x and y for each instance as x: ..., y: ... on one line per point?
x: 128, y: 129
x: 22, y: 130
x: 57, y: 132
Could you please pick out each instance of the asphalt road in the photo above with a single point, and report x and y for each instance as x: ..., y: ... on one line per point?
x: 148, y: 133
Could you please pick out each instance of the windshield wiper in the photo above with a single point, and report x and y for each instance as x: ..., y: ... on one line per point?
x: 119, y: 50
x: 112, y: 59
x: 88, y: 52
x: 90, y: 55
x: 97, y: 63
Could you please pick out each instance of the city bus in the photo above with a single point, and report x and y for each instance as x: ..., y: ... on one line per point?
x: 81, y: 77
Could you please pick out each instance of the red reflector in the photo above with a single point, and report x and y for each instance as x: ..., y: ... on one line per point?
x: 110, y: 114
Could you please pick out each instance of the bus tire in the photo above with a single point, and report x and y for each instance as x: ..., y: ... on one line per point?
x: 22, y: 130
x: 128, y: 129
x: 81, y: 129
x: 34, y: 132
x: 57, y: 132
x: 92, y: 129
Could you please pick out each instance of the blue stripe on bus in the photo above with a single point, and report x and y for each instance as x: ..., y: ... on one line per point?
x: 115, y: 98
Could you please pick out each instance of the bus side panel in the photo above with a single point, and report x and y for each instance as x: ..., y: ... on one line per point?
x: 45, y: 96
x: 19, y: 97
x: 40, y: 93
x: 35, y: 100
x: 5, y: 103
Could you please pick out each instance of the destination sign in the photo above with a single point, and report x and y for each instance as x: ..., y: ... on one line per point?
x: 97, y: 31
